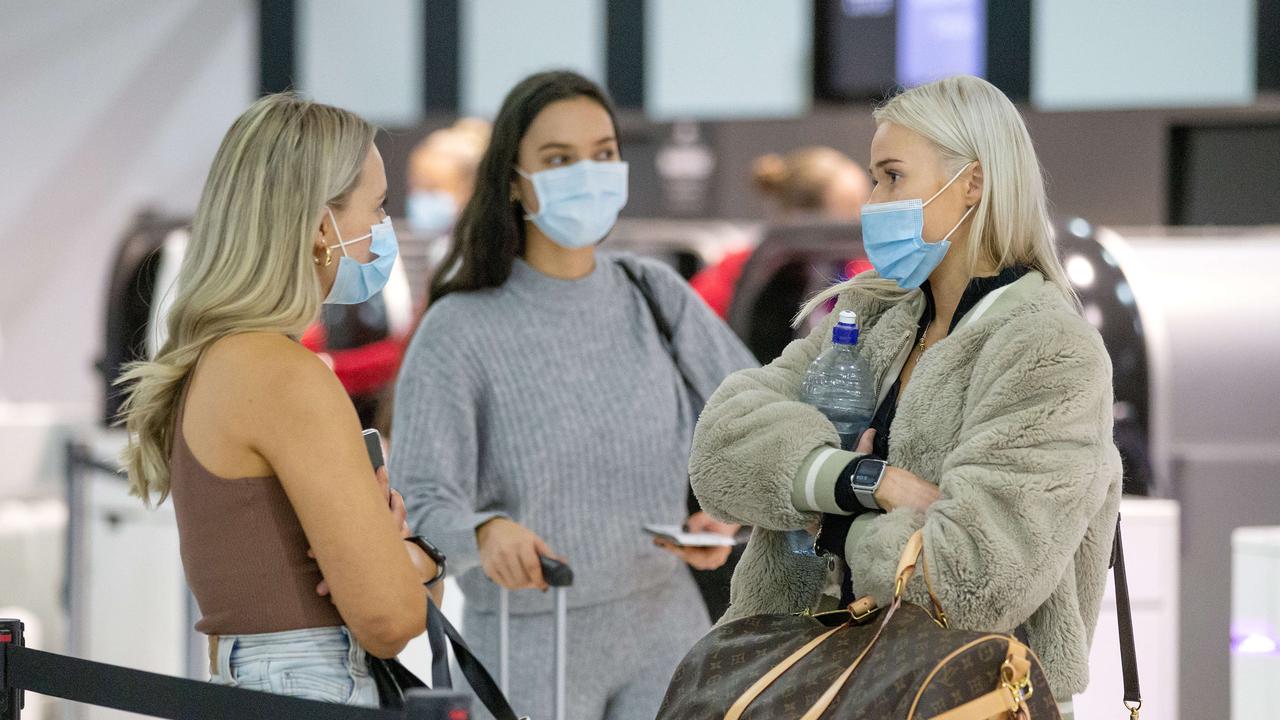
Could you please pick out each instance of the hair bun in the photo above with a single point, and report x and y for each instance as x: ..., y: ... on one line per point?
x: 770, y: 172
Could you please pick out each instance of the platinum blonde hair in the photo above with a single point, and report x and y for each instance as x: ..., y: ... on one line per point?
x: 968, y: 119
x: 249, y: 266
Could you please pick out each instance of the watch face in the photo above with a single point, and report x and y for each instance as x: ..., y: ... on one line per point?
x: 868, y: 474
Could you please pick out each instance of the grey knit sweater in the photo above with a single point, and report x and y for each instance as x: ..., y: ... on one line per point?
x: 555, y: 403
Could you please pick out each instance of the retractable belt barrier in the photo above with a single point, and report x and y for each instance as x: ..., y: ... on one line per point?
x: 24, y: 669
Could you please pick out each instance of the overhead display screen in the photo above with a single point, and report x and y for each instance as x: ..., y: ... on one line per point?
x: 865, y: 48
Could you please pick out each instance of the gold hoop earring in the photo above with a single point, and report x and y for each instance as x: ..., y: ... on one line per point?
x: 328, y: 257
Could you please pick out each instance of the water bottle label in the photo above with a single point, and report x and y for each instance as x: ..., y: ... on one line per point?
x: 801, y: 543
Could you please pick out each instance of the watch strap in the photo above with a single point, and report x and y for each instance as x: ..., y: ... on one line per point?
x: 844, y: 493
x: 432, y: 552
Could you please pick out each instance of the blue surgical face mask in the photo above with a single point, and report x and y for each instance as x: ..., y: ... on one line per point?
x: 431, y: 212
x: 356, y: 282
x: 579, y: 204
x: 892, y: 234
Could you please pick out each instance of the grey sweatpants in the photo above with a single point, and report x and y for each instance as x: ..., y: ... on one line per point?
x: 621, y: 654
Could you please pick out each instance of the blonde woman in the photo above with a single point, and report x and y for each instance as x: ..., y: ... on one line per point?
x: 993, y: 428
x: 295, y: 553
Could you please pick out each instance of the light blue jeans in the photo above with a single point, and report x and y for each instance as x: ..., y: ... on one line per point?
x: 315, y: 663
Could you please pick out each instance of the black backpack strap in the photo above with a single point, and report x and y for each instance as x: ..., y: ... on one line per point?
x: 1124, y: 620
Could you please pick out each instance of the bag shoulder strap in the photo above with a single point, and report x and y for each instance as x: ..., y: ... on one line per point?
x: 1124, y: 621
x: 486, y: 689
x: 1124, y: 612
x: 664, y: 329
x: 659, y: 318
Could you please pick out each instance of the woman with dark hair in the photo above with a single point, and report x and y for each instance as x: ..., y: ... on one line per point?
x: 540, y: 411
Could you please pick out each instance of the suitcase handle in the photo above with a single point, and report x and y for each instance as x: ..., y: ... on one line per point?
x: 559, y: 576
x: 556, y: 573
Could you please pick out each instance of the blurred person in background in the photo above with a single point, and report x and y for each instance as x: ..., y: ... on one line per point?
x: 364, y: 343
x: 809, y: 184
x: 442, y: 176
x: 441, y: 179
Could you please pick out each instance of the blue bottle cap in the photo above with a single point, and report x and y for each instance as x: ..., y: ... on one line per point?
x: 845, y: 331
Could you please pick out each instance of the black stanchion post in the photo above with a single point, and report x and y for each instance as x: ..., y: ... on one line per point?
x: 428, y: 704
x: 11, y: 699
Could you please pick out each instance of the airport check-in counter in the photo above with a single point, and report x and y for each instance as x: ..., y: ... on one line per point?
x: 1255, y: 622
x: 1207, y: 299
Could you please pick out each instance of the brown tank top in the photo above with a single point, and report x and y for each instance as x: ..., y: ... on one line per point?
x: 243, y: 550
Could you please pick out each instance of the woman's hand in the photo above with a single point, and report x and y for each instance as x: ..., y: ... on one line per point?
x: 401, y: 514
x: 395, y: 501
x: 509, y: 553
x: 899, y: 488
x: 702, y: 558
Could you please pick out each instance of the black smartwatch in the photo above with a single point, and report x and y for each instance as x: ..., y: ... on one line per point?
x: 432, y: 552
x: 866, y: 480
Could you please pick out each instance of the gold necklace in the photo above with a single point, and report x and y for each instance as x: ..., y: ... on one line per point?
x: 924, y: 335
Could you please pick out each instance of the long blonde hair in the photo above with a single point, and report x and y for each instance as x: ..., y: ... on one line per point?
x: 249, y: 264
x: 968, y: 119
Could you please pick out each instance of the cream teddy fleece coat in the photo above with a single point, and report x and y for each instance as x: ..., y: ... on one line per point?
x: 1010, y: 416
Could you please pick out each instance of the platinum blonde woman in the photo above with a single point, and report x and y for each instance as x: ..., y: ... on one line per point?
x: 993, y: 426
x: 295, y: 550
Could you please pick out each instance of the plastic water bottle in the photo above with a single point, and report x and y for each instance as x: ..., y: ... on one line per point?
x: 839, y: 383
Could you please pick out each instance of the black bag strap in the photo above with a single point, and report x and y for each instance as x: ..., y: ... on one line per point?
x: 1124, y: 620
x: 664, y: 329
x: 440, y: 675
x: 482, y: 683
x: 668, y: 340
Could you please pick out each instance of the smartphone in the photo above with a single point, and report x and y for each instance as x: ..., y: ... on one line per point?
x: 373, y: 444
x: 677, y: 535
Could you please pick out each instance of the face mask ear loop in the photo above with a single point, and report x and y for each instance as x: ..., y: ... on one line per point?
x: 957, y: 225
x: 337, y: 232
x: 952, y: 180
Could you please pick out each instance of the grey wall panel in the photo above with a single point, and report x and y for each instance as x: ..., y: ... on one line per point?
x: 1107, y: 166
x: 127, y: 116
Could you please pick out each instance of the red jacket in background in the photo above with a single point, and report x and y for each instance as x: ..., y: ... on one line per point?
x: 716, y: 284
x: 362, y: 370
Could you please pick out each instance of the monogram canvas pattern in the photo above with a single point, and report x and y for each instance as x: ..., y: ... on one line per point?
x: 909, y: 659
